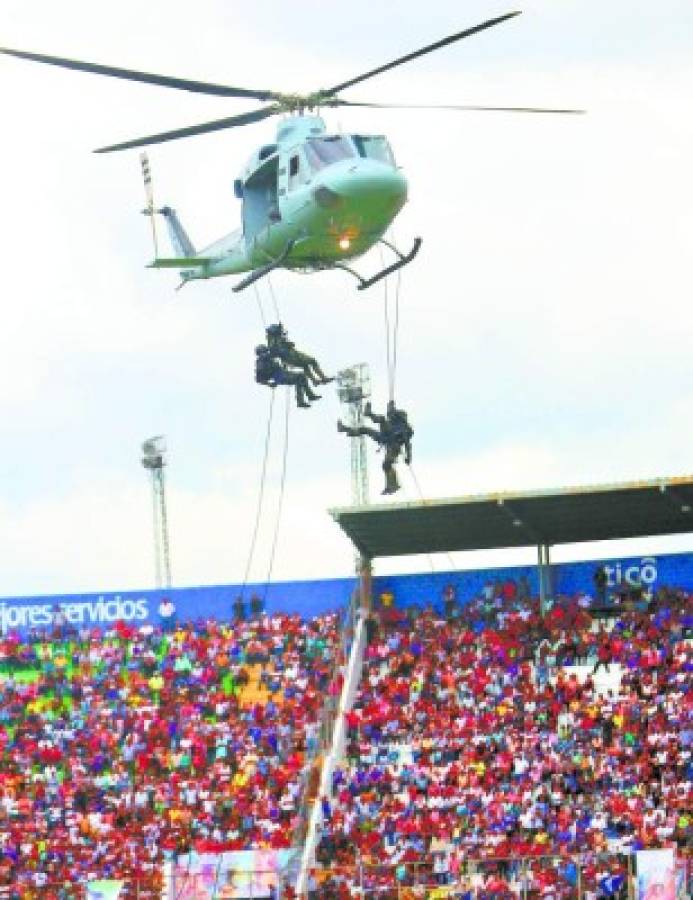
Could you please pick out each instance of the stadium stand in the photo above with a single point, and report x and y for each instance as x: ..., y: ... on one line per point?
x: 122, y: 747
x: 477, y: 757
x: 491, y: 751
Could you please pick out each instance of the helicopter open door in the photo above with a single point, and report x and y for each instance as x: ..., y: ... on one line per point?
x: 260, y: 198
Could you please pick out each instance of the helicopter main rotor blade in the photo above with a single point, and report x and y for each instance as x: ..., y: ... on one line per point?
x: 217, y: 125
x: 181, y: 84
x: 461, y: 107
x: 416, y: 53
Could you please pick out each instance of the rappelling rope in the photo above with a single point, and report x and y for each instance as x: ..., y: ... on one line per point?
x: 281, y: 493
x: 386, y: 311
x: 261, y: 494
x: 274, y: 298
x: 423, y: 500
x: 395, y: 333
x: 259, y: 306
x: 263, y: 475
x: 391, y: 330
x: 431, y: 566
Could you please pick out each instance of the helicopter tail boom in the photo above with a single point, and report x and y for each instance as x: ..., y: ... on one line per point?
x: 179, y: 236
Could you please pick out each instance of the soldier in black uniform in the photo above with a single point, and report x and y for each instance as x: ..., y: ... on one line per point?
x: 271, y: 372
x: 394, y: 434
x: 285, y: 351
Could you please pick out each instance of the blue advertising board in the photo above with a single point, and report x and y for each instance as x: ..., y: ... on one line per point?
x: 309, y: 598
x: 305, y: 598
x: 566, y: 579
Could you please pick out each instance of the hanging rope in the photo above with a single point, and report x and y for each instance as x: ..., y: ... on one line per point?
x: 274, y: 299
x: 261, y: 494
x: 423, y: 500
x: 386, y: 311
x: 395, y: 334
x: 263, y: 475
x: 428, y: 555
x: 281, y: 494
x: 391, y: 330
x: 259, y: 306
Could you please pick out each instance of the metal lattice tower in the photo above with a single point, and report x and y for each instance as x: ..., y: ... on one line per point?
x: 154, y: 460
x: 353, y: 389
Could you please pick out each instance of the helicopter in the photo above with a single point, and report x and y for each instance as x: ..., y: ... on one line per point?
x: 311, y: 200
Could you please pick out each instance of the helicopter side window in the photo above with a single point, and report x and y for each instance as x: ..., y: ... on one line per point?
x: 294, y: 169
x: 325, y: 151
x: 376, y: 148
x: 298, y: 171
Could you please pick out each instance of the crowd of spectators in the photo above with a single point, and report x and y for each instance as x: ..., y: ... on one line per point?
x: 471, y: 746
x: 120, y: 747
x: 474, y: 756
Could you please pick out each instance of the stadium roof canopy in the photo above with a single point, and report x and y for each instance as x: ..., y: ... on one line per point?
x: 537, y: 518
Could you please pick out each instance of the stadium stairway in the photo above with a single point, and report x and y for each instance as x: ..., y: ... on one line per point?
x: 352, y: 677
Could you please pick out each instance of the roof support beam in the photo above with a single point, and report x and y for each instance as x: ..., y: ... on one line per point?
x: 545, y: 588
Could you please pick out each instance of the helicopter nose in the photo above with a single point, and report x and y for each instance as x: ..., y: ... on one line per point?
x: 362, y: 181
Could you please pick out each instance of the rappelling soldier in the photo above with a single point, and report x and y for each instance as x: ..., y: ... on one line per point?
x: 285, y: 351
x: 394, y: 433
x: 270, y: 371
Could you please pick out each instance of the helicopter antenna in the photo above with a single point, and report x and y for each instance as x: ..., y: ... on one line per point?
x: 149, y: 194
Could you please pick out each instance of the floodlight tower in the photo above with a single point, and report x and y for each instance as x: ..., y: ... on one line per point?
x: 154, y: 460
x: 353, y: 389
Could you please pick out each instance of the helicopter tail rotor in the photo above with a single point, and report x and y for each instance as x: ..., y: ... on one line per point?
x: 149, y: 194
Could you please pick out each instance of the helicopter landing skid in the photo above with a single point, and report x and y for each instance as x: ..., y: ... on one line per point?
x: 257, y: 274
x: 402, y: 260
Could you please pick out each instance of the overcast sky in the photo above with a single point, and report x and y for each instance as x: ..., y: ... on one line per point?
x: 546, y: 326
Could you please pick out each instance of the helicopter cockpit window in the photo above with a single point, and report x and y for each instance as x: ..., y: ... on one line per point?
x: 325, y: 151
x: 374, y: 147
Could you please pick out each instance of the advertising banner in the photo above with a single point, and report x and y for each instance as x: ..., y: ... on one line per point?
x: 310, y: 598
x: 137, y: 608
x: 656, y: 878
x: 231, y: 875
x: 104, y: 890
x: 566, y: 579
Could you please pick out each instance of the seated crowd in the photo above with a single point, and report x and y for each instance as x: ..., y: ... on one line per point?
x: 475, y: 759
x: 472, y: 759
x: 117, y: 747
